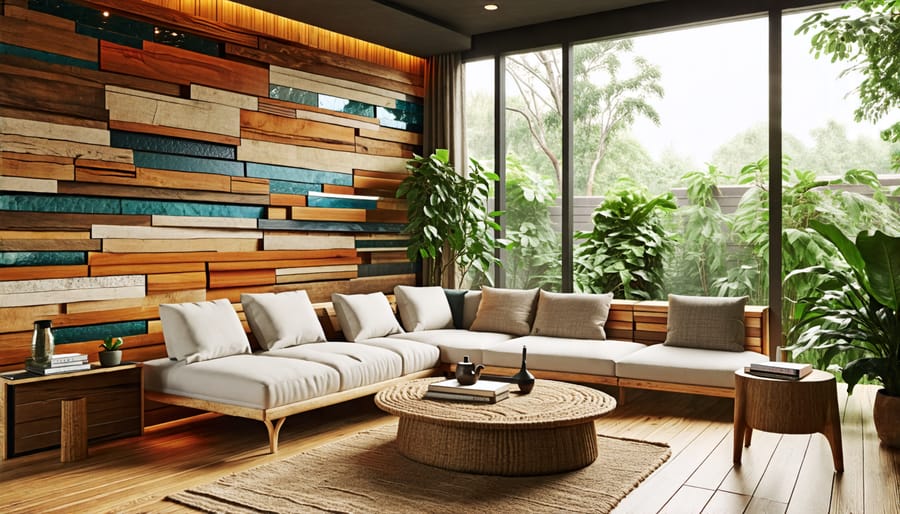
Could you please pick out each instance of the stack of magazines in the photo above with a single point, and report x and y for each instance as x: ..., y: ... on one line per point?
x: 59, y: 363
x: 483, y: 391
x: 782, y: 370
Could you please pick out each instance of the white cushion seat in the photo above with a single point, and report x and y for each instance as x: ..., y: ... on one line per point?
x: 590, y: 357
x: 456, y: 343
x: 416, y: 356
x: 246, y: 380
x: 358, y: 365
x: 679, y: 365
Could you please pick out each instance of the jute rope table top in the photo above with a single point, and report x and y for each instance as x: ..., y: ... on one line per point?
x: 549, y: 404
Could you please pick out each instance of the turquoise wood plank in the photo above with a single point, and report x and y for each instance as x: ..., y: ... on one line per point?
x: 334, y: 103
x: 390, y: 268
x: 60, y: 203
x: 67, y: 335
x: 42, y: 258
x: 381, y: 243
x: 292, y: 188
x: 341, y: 203
x: 288, y: 173
x: 48, y: 57
x: 186, y: 163
x: 331, y: 226
x: 290, y: 94
x: 170, y: 145
x: 168, y: 208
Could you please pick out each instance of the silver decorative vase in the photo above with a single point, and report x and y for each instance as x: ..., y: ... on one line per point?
x: 42, y: 342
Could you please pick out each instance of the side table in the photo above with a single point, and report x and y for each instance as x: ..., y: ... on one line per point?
x: 803, y: 406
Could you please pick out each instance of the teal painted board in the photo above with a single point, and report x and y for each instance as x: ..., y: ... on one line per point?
x: 331, y: 226
x: 290, y: 94
x: 169, y: 208
x: 381, y: 243
x: 291, y: 174
x: 171, y: 145
x: 42, y: 258
x: 292, y: 188
x: 341, y: 203
x: 390, y: 268
x: 59, y: 203
x: 186, y: 163
x: 48, y: 57
x: 334, y: 103
x: 67, y: 335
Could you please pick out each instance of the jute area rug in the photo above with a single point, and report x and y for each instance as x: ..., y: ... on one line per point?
x: 365, y: 473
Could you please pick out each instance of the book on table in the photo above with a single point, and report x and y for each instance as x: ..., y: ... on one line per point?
x: 67, y: 364
x: 485, y: 388
x: 460, y: 397
x: 795, y: 370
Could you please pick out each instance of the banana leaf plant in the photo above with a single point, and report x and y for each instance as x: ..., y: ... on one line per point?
x: 854, y: 308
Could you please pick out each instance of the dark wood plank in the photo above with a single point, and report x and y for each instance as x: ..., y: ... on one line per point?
x: 158, y: 193
x: 15, y: 220
x: 21, y: 89
x: 47, y: 38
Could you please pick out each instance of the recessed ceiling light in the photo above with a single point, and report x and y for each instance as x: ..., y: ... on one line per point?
x: 491, y: 7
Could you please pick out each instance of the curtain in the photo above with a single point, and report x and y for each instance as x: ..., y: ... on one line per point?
x: 443, y: 110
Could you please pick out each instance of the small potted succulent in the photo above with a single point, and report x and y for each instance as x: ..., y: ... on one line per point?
x: 111, y: 354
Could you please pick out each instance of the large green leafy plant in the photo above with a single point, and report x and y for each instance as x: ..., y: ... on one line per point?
x: 855, y: 308
x: 625, y: 251
x: 449, y: 224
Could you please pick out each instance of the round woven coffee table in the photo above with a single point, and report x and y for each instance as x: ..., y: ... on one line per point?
x: 548, y: 431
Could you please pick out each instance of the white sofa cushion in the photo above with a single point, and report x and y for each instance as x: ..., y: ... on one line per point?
x: 254, y: 381
x: 707, y: 322
x: 282, y: 320
x: 692, y: 366
x: 423, y: 308
x: 359, y: 365
x: 416, y: 356
x: 567, y: 355
x: 454, y: 344
x: 510, y: 311
x: 364, y: 316
x: 571, y: 315
x: 200, y: 331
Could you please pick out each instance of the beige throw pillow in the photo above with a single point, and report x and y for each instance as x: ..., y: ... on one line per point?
x: 364, y: 316
x: 507, y: 311
x: 282, y: 320
x: 202, y: 331
x: 572, y: 315
x: 707, y: 322
x: 423, y: 308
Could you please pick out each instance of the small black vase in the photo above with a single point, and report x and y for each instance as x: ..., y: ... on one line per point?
x: 524, y: 378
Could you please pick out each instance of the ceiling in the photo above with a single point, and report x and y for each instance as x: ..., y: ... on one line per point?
x: 431, y: 27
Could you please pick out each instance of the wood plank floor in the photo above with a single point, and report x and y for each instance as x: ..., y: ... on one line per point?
x: 780, y: 473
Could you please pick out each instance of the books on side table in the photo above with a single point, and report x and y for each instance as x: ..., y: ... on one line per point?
x: 59, y: 363
x: 782, y: 370
x: 483, y: 391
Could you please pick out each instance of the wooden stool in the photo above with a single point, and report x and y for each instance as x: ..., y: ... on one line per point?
x: 803, y: 406
x: 73, y: 430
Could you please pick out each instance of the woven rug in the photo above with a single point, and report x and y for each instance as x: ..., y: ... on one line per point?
x: 364, y: 473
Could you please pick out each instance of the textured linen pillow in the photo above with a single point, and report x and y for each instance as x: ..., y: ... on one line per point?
x: 707, y: 322
x: 423, y: 308
x: 471, y: 302
x: 507, y: 311
x: 364, y: 316
x: 202, y: 331
x: 572, y: 315
x: 456, y: 298
x: 282, y: 320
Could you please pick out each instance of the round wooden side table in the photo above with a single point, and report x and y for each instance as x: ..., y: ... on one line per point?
x: 804, y: 406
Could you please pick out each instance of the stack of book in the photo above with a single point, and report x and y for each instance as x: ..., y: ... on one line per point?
x: 483, y: 391
x: 782, y: 370
x: 59, y: 363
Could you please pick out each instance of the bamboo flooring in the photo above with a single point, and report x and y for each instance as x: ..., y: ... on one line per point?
x: 779, y: 473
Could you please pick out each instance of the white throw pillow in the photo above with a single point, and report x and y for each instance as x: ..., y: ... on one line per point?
x: 202, y: 331
x: 423, y: 308
x: 364, y: 316
x: 282, y: 320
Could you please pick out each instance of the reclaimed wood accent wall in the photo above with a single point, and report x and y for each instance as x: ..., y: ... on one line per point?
x: 153, y: 155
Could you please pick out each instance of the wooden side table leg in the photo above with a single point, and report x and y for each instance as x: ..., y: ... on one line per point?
x: 73, y: 430
x: 832, y: 432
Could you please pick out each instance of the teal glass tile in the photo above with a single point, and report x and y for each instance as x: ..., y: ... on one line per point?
x: 67, y: 335
x: 186, y: 41
x: 60, y: 203
x: 341, y: 203
x: 48, y: 57
x: 331, y: 226
x: 42, y: 258
x: 170, y: 208
x: 270, y: 171
x: 170, y: 145
x: 411, y: 107
x: 113, y: 37
x: 348, y: 106
x: 186, y: 163
x: 381, y: 243
x: 389, y: 268
x: 292, y: 188
x: 62, y: 9
x: 289, y: 94
x: 408, y: 120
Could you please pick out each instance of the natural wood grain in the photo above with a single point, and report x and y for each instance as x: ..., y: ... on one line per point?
x: 73, y: 429
x: 125, y: 232
x: 27, y: 185
x: 305, y: 241
x: 38, y: 90
x: 253, y: 277
x: 36, y: 17
x: 158, y: 193
x: 147, y: 128
x: 74, y: 133
x: 221, y: 96
x: 390, y: 149
x: 41, y: 146
x: 49, y: 245
x: 250, y: 185
x: 287, y: 200
x: 134, y: 106
x: 64, y: 221
x: 340, y: 190
x: 315, y: 277
x: 327, y: 214
x: 48, y: 38
x: 167, y: 282
x: 148, y: 301
x: 333, y: 87
x: 278, y: 129
x: 36, y: 166
x: 160, y: 220
x: 122, y: 269
x: 18, y: 319
x: 179, y: 245
x: 389, y: 134
x: 139, y: 258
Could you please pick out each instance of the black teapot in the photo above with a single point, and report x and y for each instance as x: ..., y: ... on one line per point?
x: 467, y: 372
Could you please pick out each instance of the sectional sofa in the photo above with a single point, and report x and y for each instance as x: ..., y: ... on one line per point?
x: 292, y: 368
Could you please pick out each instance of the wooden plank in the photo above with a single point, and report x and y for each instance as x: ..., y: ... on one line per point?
x: 317, y: 291
x: 165, y: 282
x: 394, y: 135
x: 315, y: 269
x: 250, y: 185
x: 158, y: 193
x: 334, y: 87
x: 14, y: 220
x: 148, y: 177
x: 49, y: 117
x: 233, y: 294
x: 333, y: 117
x: 136, y: 106
x: 159, y: 220
x: 20, y: 88
x: 151, y: 301
x: 71, y: 295
x: 39, y: 234
x: 335, y: 189
x: 37, y: 17
x: 327, y: 214
x: 287, y: 200
x: 383, y: 283
x: 49, y: 245
x: 179, y: 245
x: 387, y: 148
x: 48, y: 38
x: 305, y: 241
x: 122, y: 269
x: 315, y: 158
x: 41, y: 146
x: 278, y: 213
x: 315, y: 277
x: 19, y: 319
x: 165, y: 62
x: 256, y: 277
x: 126, y: 232
x: 293, y: 263
x: 146, y: 128
x: 277, y: 107
x: 137, y: 258
x: 221, y: 96
x: 386, y: 216
x: 103, y: 165
x: 47, y: 130
x: 267, y: 127
x: 27, y: 185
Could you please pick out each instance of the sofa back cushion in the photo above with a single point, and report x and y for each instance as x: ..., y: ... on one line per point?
x: 571, y: 315
x: 202, y: 331
x: 423, y: 308
x: 508, y: 311
x: 364, y: 316
x: 282, y: 320
x: 707, y: 322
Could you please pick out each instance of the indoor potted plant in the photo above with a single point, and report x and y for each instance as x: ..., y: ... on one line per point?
x: 111, y: 354
x: 857, y: 308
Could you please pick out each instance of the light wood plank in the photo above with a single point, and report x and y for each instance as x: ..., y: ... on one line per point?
x: 27, y: 185
x: 73, y: 295
x: 315, y: 277
x: 166, y: 282
x: 327, y: 214
x: 125, y: 232
x: 41, y: 146
x: 59, y: 131
x: 36, y: 166
x: 19, y: 319
x: 136, y: 106
x: 687, y: 499
x: 121, y: 269
x: 334, y: 87
x: 395, y: 135
x: 293, y: 131
x: 320, y: 115
x: 159, y: 220
x: 305, y: 241
x: 179, y: 245
x: 197, y: 295
x: 221, y: 96
x: 315, y: 158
